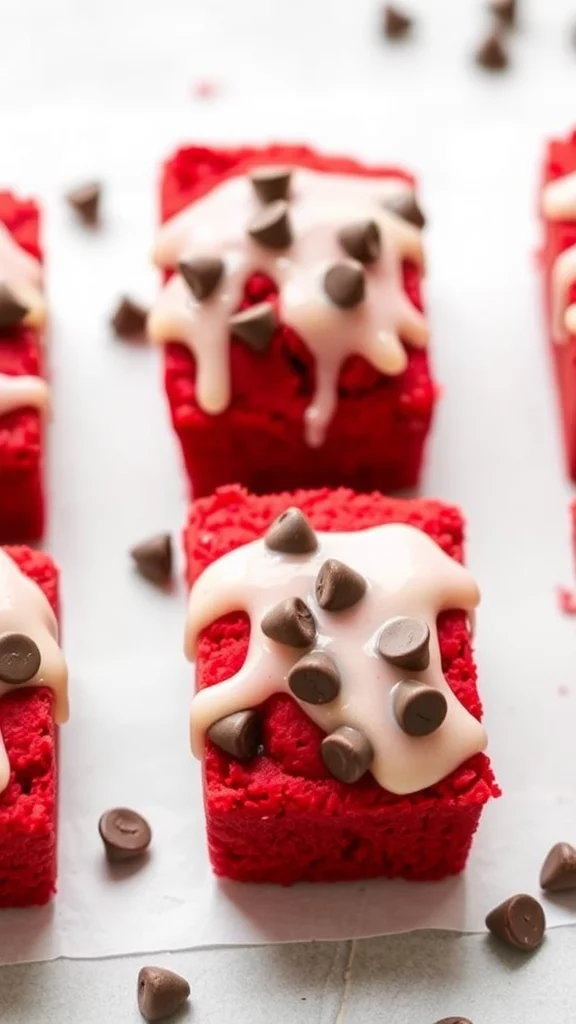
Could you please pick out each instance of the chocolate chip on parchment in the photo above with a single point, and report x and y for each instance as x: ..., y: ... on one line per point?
x: 505, y: 10
x: 315, y: 678
x: 20, y: 658
x: 270, y: 227
x: 12, y: 311
x: 338, y: 586
x: 160, y: 992
x: 85, y: 201
x: 344, y: 283
x: 202, y: 275
x: 290, y: 622
x: 291, y: 534
x: 454, y: 1020
x: 396, y: 24
x: 361, y: 240
x: 125, y: 834
x: 519, y: 921
x: 558, y: 872
x: 405, y: 642
x: 419, y: 708
x: 271, y: 183
x: 492, y: 54
x: 255, y: 326
x: 406, y: 206
x: 153, y: 558
x: 237, y: 734
x: 347, y: 753
x: 129, y: 319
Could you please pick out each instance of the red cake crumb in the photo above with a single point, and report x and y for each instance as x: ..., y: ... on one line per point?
x: 281, y: 817
x: 376, y: 438
x: 28, y: 804
x: 21, y: 488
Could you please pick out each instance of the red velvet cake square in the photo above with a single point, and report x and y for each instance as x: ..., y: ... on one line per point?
x: 23, y: 392
x: 295, y: 343
x: 294, y: 786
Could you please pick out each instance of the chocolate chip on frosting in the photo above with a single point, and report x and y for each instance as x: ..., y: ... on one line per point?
x: 202, y: 275
x: 405, y: 642
x: 290, y: 622
x: 419, y: 708
x: 160, y: 992
x: 255, y: 326
x: 361, y: 240
x: 347, y: 753
x: 153, y: 558
x: 271, y: 183
x: 519, y: 921
x: 125, y: 834
x: 237, y: 734
x: 85, y: 201
x: 20, y: 658
x: 315, y: 678
x: 291, y: 534
x: 129, y: 319
x: 406, y: 206
x: 270, y: 227
x: 344, y: 283
x: 558, y: 873
x: 338, y: 586
x: 12, y: 311
x: 492, y: 53
x: 395, y: 23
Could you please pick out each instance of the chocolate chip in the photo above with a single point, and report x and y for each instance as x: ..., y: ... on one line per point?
x: 347, y: 753
x: 12, y: 311
x: 492, y: 53
x: 419, y: 708
x: 20, y: 658
x: 255, y: 326
x: 125, y: 834
x: 454, y: 1020
x: 361, y: 240
x: 406, y: 206
x: 338, y: 586
x: 202, y: 275
x: 291, y: 534
x: 270, y: 227
x: 271, y: 183
x: 344, y: 283
x: 160, y: 992
x: 406, y: 642
x: 237, y: 734
x: 85, y: 201
x: 396, y: 24
x: 505, y: 10
x: 290, y: 622
x: 153, y: 558
x: 519, y: 922
x: 558, y: 872
x: 315, y: 678
x: 129, y: 319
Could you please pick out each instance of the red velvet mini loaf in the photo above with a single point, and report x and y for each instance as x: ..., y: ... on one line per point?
x: 22, y: 402
x: 259, y: 435
x: 280, y: 816
x: 28, y: 790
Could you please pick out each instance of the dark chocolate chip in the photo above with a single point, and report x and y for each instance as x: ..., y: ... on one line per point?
x: 270, y: 227
x: 396, y: 24
x: 290, y: 622
x: 347, y: 753
x: 505, y: 10
x: 419, y: 708
x: 255, y: 326
x: 12, y: 311
x: 129, y: 319
x: 454, y: 1020
x: 160, y: 992
x: 344, y: 283
x: 315, y: 678
x: 492, y: 53
x: 85, y: 201
x: 153, y: 558
x: 361, y: 240
x: 271, y: 183
x: 519, y: 921
x: 237, y: 734
x: 291, y: 534
x: 125, y: 834
x: 338, y: 586
x: 406, y: 642
x: 406, y: 206
x: 558, y: 872
x: 20, y: 658
x: 202, y: 275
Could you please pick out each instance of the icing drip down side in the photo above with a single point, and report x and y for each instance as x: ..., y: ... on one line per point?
x: 22, y: 392
x: 559, y: 204
x: 21, y: 288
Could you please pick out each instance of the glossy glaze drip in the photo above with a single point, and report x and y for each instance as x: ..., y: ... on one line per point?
x: 22, y: 392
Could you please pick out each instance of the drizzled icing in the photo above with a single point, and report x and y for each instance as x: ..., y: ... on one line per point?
x: 407, y: 574
x: 23, y: 276
x: 320, y: 204
x: 21, y: 392
x: 559, y: 204
x: 24, y: 608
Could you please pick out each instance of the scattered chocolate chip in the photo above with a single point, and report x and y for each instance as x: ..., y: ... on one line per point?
x: 419, y: 708
x: 237, y: 734
x: 344, y: 283
x: 291, y: 534
x: 202, y: 275
x: 454, y: 1020
x: 129, y: 319
x: 160, y: 992
x: 271, y: 183
x: 405, y: 642
x: 347, y: 753
x: 505, y: 10
x: 85, y: 201
x: 396, y: 24
x: 406, y: 206
x: 255, y: 326
x: 492, y: 53
x: 558, y: 871
x: 338, y: 586
x: 20, y: 658
x: 12, y: 311
x: 153, y: 558
x: 361, y: 240
x: 290, y: 622
x: 518, y: 921
x: 315, y: 678
x: 270, y: 227
x: 125, y: 834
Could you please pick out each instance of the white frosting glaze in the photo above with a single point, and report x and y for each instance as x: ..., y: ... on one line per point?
x: 408, y: 574
x: 23, y: 275
x: 559, y: 204
x: 559, y: 198
x: 320, y: 204
x: 21, y: 392
x: 24, y: 608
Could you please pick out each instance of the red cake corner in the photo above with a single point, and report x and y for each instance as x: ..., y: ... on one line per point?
x: 281, y: 817
x: 259, y: 438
